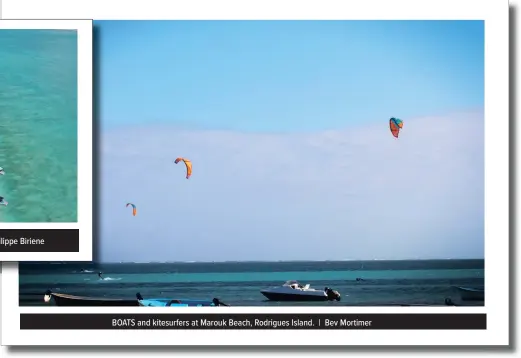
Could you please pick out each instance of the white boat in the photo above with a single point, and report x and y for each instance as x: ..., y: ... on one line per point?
x: 471, y: 294
x: 294, y: 291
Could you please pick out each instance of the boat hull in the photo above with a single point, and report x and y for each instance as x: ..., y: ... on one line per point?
x: 174, y: 303
x: 79, y: 301
x: 59, y: 299
x: 288, y: 297
x: 471, y: 294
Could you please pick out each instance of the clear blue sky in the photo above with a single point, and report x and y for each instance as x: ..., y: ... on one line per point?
x: 288, y: 75
x: 286, y: 124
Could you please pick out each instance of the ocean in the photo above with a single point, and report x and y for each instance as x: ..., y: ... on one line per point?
x: 38, y: 125
x: 422, y: 282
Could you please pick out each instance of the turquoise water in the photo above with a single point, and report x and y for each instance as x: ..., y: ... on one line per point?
x: 264, y: 276
x: 38, y: 125
x: 426, y: 282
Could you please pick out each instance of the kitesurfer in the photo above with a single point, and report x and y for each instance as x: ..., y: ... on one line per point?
x: 134, y: 209
x: 2, y: 171
x: 2, y: 201
x: 395, y: 125
x: 188, y: 165
x: 99, y: 275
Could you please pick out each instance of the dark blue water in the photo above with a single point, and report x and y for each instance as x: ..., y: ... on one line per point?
x: 426, y: 282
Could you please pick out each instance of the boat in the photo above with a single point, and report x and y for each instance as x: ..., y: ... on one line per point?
x: 293, y: 291
x: 166, y: 302
x: 471, y: 294
x: 60, y: 299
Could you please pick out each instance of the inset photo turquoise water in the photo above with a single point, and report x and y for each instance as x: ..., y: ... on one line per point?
x: 38, y: 125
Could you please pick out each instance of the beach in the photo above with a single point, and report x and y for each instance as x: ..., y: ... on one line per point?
x: 411, y: 282
x: 38, y: 125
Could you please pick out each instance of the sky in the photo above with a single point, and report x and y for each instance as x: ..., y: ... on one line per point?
x: 287, y: 127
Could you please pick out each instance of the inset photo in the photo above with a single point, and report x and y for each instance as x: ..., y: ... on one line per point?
x: 45, y: 103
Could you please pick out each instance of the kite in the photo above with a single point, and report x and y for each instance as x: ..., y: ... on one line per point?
x: 134, y: 210
x: 395, y: 125
x: 188, y: 164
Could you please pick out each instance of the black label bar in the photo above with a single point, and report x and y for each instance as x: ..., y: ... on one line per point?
x: 40, y: 240
x: 45, y: 321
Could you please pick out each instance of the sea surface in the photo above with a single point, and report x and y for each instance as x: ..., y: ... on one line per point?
x: 38, y: 125
x: 422, y: 282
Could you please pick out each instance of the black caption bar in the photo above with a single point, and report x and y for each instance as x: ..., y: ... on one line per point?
x: 47, y: 321
x: 40, y: 240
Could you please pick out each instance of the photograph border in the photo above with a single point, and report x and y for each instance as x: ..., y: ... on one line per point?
x: 496, y: 17
x: 85, y: 130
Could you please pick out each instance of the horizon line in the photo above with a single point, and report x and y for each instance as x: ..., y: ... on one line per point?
x: 242, y: 261
x: 183, y: 126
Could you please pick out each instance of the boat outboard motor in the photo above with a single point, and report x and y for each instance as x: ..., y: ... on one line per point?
x: 218, y: 302
x: 448, y: 302
x: 47, y: 296
x: 332, y: 294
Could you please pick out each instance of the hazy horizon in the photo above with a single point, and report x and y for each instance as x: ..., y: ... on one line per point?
x: 79, y: 263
